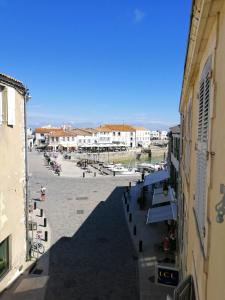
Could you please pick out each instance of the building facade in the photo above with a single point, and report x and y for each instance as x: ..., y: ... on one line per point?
x: 202, y: 108
x: 13, y: 177
x: 174, y: 157
x: 142, y: 137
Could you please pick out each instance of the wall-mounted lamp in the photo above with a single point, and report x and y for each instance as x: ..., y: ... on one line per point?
x: 220, y: 207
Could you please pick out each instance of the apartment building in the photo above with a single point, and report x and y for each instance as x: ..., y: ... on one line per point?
x: 121, y: 134
x: 142, y: 136
x: 42, y: 135
x: 13, y: 96
x: 202, y: 109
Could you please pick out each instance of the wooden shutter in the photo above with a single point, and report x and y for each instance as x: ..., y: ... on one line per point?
x: 11, y: 111
x: 202, y: 147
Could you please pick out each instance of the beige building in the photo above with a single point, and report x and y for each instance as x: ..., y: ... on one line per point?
x: 12, y: 179
x: 202, y: 166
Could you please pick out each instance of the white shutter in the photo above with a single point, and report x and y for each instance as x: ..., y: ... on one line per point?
x: 1, y: 107
x: 203, y: 125
x: 11, y: 109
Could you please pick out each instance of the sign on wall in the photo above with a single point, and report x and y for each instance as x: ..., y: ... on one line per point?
x: 166, y: 275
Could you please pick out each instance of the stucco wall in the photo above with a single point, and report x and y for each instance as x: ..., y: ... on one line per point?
x: 12, y: 184
x: 207, y: 270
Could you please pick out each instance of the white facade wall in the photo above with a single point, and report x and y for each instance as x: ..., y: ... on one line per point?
x: 124, y: 137
x: 143, y: 138
x: 154, y: 134
x: 163, y: 135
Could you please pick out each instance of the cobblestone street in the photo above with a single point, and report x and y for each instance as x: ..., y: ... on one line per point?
x: 91, y: 253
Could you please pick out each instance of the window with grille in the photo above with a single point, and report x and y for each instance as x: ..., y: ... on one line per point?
x: 202, y: 146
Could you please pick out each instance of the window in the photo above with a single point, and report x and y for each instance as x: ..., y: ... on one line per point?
x: 114, y: 133
x: 68, y: 139
x: 64, y: 139
x: 57, y: 139
x: 202, y: 147
x: 4, y: 256
x: 119, y: 133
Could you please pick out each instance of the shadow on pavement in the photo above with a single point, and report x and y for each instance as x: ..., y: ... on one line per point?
x: 97, y: 262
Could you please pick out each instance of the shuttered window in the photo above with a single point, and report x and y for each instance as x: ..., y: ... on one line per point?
x: 11, y: 106
x: 202, y: 147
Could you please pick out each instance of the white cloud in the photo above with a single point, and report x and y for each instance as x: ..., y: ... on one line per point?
x: 139, y: 15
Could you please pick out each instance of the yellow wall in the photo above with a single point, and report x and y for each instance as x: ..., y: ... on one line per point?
x: 208, y: 270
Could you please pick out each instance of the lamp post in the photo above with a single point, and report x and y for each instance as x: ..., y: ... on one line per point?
x: 27, y: 97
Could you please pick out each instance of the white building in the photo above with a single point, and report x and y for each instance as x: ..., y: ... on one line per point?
x: 121, y: 134
x: 154, y: 135
x: 42, y: 135
x: 163, y: 135
x: 142, y: 136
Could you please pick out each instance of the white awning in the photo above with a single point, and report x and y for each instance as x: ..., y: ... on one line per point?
x: 162, y: 213
x: 159, y: 197
x: 156, y: 177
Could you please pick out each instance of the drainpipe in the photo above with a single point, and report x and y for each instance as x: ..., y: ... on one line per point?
x: 26, y: 99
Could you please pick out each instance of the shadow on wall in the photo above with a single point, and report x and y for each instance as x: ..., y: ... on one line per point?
x: 97, y: 262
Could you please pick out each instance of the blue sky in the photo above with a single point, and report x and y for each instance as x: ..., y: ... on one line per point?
x: 97, y: 61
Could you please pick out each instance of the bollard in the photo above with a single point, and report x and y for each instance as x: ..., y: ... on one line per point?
x: 140, y: 246
x: 94, y: 174
x: 130, y: 217
x: 46, y: 236
x: 130, y: 184
x: 142, y: 176
x: 45, y: 222
x: 83, y: 174
x: 125, y: 199
x: 127, y: 207
x: 135, y: 230
x: 35, y: 205
x: 114, y: 173
x: 41, y: 212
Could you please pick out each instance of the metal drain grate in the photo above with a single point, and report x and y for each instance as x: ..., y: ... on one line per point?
x: 80, y: 212
x: 81, y: 198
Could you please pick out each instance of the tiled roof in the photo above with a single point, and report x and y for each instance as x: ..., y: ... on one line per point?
x: 62, y: 133
x: 46, y: 130
x: 140, y: 128
x: 117, y: 127
x: 78, y: 131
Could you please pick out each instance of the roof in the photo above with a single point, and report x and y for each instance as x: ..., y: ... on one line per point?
x: 12, y: 81
x: 175, y: 129
x: 62, y: 133
x: 46, y: 130
x: 140, y: 128
x: 90, y: 130
x: 116, y: 127
x: 80, y: 131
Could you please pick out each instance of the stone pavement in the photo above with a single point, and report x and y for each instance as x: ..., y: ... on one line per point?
x: 91, y: 254
x: 150, y: 234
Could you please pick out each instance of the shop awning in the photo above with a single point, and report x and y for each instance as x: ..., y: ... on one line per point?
x: 159, y: 197
x: 162, y: 213
x: 156, y: 177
